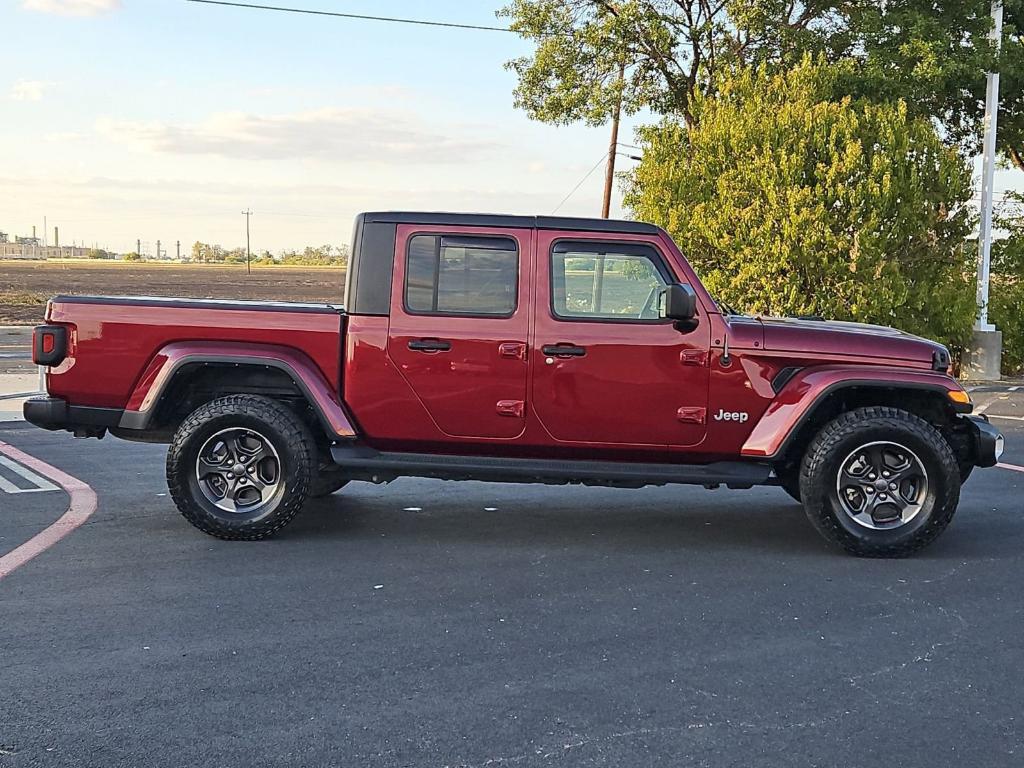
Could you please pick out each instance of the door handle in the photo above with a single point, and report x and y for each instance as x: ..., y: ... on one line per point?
x: 563, y: 350
x: 430, y: 345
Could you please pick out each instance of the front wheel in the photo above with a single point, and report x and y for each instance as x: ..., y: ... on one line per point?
x: 880, y: 482
x: 240, y: 467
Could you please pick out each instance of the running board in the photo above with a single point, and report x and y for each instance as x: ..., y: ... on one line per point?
x: 364, y: 463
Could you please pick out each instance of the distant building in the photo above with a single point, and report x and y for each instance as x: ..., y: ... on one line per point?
x: 32, y: 250
x: 3, y: 237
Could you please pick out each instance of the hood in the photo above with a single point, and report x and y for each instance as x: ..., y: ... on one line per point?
x: 854, y: 339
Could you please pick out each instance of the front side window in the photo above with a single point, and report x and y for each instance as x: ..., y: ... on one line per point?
x: 616, y: 284
x: 457, y: 275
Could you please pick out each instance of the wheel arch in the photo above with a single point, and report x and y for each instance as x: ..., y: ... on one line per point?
x: 183, y: 376
x: 811, y: 399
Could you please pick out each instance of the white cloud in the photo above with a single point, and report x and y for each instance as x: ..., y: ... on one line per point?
x: 29, y: 90
x: 72, y: 7
x: 330, y: 133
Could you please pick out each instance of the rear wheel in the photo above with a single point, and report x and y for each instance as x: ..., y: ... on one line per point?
x: 880, y: 482
x: 240, y: 466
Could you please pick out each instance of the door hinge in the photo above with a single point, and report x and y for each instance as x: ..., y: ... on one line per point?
x: 514, y: 408
x: 693, y: 357
x: 513, y: 349
x: 692, y: 415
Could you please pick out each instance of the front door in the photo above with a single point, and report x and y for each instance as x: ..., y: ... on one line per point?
x: 607, y: 368
x: 459, y: 325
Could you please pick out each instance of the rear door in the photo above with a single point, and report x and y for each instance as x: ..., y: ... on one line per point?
x: 460, y: 314
x: 606, y: 368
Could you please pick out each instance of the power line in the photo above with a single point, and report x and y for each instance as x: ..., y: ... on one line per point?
x: 393, y: 19
x: 579, y: 184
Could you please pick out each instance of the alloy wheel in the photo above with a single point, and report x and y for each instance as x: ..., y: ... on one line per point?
x: 882, y: 485
x: 239, y: 471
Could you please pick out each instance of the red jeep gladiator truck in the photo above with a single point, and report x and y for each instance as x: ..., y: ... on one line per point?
x: 526, y: 349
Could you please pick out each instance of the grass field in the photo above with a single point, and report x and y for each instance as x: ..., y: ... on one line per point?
x: 25, y: 286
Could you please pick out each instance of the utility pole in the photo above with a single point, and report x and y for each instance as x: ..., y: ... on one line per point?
x: 177, y: 246
x: 138, y: 247
x: 248, y: 267
x: 45, y: 238
x: 984, y: 358
x: 609, y: 174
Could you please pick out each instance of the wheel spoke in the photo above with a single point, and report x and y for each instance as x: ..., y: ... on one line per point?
x: 876, y: 457
x: 206, y: 467
x: 850, y: 480
x: 238, y: 450
x: 903, y: 473
x: 256, y: 481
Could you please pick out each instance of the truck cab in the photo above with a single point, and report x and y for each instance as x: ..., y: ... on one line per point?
x: 520, y: 349
x: 535, y: 333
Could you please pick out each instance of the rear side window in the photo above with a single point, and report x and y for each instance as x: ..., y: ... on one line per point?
x: 458, y: 275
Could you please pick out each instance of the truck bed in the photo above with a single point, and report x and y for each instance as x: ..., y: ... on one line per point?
x: 113, y: 338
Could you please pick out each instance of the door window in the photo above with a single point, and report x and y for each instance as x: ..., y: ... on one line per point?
x: 622, y: 282
x: 457, y: 275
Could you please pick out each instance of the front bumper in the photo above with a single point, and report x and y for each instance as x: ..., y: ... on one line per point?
x: 988, y: 441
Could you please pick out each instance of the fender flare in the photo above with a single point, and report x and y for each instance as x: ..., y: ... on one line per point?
x: 807, y: 389
x: 153, y: 383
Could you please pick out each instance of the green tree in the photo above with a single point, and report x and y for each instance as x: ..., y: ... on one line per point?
x: 670, y: 50
x: 200, y: 251
x: 931, y: 53
x: 132, y: 256
x: 935, y: 55
x: 97, y: 253
x: 790, y: 202
x: 1006, y: 289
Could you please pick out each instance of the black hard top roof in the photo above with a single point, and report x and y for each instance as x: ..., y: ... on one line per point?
x: 501, y: 220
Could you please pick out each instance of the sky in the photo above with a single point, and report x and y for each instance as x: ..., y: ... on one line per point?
x: 125, y: 120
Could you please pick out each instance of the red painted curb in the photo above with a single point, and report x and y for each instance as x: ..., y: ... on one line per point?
x: 1014, y: 467
x: 83, y: 504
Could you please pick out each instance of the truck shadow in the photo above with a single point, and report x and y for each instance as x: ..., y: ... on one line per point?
x: 598, y: 519
x: 765, y: 520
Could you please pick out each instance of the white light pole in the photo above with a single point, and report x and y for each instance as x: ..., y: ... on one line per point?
x: 988, y: 174
x: 985, y: 355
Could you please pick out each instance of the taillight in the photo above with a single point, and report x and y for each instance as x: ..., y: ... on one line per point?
x: 49, y: 345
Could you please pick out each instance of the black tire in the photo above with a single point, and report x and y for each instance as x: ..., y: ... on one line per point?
x: 256, y: 419
x: 836, y: 447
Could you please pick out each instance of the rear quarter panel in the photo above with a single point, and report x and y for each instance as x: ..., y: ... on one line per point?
x: 111, y: 343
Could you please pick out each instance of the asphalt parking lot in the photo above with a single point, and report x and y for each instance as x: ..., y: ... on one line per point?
x: 444, y: 624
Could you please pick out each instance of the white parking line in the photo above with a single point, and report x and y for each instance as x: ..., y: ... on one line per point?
x: 39, y: 484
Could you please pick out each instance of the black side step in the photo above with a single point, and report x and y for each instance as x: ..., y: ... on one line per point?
x: 367, y: 464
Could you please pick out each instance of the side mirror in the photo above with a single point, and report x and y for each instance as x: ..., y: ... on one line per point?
x: 679, y: 302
